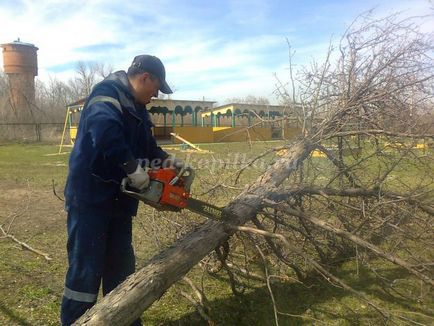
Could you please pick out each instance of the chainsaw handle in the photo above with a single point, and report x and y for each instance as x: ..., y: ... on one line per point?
x: 124, y: 183
x: 124, y: 187
x: 188, y: 178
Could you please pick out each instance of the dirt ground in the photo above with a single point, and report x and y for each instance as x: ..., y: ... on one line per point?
x: 30, y: 211
x: 28, y: 282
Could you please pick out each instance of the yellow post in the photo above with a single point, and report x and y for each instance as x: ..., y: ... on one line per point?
x: 64, y: 130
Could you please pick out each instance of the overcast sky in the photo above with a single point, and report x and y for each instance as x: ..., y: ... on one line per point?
x: 211, y: 49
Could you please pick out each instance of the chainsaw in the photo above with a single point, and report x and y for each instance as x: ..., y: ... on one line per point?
x: 169, y: 189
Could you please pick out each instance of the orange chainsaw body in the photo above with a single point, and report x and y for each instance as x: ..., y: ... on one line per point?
x: 169, y: 189
x: 173, y: 194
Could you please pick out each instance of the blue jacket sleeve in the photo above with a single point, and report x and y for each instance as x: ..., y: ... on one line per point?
x: 106, y: 130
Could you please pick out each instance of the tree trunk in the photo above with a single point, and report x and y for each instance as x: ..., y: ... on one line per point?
x: 127, y: 302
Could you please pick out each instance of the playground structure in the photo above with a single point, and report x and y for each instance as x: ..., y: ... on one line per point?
x: 71, y: 123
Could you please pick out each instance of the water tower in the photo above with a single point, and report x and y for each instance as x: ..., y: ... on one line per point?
x: 20, y: 64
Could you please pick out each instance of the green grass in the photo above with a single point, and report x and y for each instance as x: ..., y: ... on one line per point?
x: 34, y: 164
x: 31, y: 288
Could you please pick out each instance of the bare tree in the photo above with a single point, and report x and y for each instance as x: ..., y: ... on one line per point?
x: 103, y: 69
x: 87, y: 76
x: 3, y: 84
x: 249, y: 99
x: 4, y: 95
x: 17, y: 106
x: 366, y: 195
x: 52, y: 97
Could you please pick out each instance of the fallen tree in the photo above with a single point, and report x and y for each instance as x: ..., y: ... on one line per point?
x: 361, y: 113
x: 124, y: 304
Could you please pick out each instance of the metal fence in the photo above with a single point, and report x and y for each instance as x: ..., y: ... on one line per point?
x: 31, y: 132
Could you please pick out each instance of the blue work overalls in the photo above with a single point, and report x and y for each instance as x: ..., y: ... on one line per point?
x: 113, y: 129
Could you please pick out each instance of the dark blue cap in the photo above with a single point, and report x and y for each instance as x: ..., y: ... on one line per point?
x: 154, y: 66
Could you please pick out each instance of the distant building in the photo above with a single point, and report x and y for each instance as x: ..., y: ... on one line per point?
x: 241, y: 114
x: 199, y: 121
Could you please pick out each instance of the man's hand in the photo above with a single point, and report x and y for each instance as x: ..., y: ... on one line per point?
x: 139, y: 179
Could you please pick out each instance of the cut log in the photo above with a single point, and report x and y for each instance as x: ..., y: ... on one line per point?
x: 130, y: 299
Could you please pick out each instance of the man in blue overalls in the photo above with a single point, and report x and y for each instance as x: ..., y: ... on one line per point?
x: 114, y: 135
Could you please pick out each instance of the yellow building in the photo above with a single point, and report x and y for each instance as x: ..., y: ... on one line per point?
x: 200, y: 122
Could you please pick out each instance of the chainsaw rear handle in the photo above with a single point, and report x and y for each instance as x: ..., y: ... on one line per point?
x: 124, y: 184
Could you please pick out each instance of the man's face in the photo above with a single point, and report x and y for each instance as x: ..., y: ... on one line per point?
x: 148, y: 86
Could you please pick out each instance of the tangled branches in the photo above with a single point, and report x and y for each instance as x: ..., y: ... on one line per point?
x: 365, y: 193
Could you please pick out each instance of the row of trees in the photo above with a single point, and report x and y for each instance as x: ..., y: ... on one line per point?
x: 249, y: 99
x: 52, y: 96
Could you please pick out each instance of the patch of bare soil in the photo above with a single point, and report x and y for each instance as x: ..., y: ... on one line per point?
x: 29, y: 209
x: 30, y: 286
